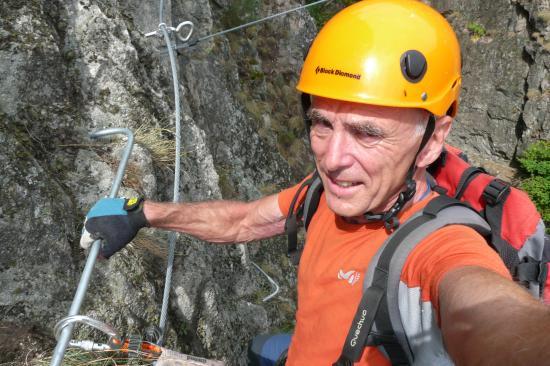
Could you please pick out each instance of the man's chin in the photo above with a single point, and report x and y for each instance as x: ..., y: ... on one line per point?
x: 343, y: 208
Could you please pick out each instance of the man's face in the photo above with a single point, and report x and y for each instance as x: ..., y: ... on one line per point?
x: 363, y: 152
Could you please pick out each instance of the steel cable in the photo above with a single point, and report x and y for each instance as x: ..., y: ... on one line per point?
x: 246, y: 25
x: 173, y: 235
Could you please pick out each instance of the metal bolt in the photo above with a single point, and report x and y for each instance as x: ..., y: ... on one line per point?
x: 184, y: 37
x: 424, y: 96
x: 181, y: 36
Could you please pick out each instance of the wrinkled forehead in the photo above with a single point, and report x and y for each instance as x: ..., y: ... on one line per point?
x: 331, y: 108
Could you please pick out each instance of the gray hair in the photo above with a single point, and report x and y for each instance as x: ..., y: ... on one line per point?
x: 421, y: 125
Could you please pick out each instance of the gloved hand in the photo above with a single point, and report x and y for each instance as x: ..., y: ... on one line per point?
x: 116, y: 221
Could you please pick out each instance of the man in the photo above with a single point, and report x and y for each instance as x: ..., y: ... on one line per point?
x: 381, y: 84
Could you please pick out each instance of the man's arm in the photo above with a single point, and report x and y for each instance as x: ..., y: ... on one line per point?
x: 489, y: 320
x: 117, y: 221
x: 219, y: 221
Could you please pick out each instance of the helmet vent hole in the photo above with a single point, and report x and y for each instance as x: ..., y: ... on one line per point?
x: 413, y: 66
x: 454, y: 84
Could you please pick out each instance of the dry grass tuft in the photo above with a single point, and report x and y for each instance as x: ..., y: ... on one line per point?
x: 150, y: 244
x: 132, y: 174
x: 132, y: 178
x: 154, y: 139
x: 77, y: 357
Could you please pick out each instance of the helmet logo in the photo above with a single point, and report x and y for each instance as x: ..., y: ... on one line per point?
x: 413, y: 66
x: 336, y: 72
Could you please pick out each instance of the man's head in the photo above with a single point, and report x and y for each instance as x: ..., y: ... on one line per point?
x: 363, y: 152
x: 377, y: 72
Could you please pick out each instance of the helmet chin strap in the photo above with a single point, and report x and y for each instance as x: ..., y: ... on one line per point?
x: 305, y: 99
x: 389, y: 217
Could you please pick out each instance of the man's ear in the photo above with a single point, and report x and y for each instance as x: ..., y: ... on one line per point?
x: 433, y: 148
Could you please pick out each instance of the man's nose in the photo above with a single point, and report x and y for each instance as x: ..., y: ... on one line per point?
x: 338, y: 153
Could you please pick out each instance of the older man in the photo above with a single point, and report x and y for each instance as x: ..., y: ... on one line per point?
x: 380, y: 84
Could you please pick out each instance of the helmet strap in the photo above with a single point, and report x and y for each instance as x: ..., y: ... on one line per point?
x: 391, y: 222
x: 306, y: 104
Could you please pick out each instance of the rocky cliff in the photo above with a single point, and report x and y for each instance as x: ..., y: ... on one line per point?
x: 71, y: 67
x: 506, y: 84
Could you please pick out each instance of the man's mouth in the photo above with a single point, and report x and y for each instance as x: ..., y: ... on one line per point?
x: 344, y: 184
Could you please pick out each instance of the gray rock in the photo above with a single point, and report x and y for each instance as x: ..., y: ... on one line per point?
x: 90, y: 67
x: 504, y: 102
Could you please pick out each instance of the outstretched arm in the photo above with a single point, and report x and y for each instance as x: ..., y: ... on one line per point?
x: 117, y: 220
x: 219, y: 221
x: 489, y: 320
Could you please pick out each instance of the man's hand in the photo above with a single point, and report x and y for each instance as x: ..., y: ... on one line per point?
x: 114, y: 220
x: 488, y: 320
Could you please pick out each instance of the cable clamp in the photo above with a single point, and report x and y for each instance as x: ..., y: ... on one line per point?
x: 179, y: 30
x: 89, y: 346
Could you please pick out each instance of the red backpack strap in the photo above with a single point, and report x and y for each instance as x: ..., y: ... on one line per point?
x: 495, y: 195
x: 459, y: 179
x: 517, y: 230
x: 467, y: 176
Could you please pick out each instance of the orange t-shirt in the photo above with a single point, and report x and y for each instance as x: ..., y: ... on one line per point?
x: 334, y: 263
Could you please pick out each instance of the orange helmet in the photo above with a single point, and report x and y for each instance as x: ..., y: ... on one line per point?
x: 399, y: 53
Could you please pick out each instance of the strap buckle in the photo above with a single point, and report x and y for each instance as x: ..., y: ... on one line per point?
x: 531, y: 270
x: 496, y: 192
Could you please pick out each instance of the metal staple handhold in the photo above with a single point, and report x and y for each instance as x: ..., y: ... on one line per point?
x: 65, y: 331
x: 83, y: 319
x: 271, y: 281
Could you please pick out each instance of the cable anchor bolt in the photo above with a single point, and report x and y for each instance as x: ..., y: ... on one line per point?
x: 179, y: 30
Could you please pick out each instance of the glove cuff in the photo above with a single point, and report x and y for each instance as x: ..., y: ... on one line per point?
x: 134, y: 207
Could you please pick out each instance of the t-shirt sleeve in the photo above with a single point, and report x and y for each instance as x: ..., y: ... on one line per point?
x: 447, y: 249
x: 285, y: 197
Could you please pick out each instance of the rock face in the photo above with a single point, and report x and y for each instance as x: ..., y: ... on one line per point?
x: 506, y: 83
x: 70, y: 67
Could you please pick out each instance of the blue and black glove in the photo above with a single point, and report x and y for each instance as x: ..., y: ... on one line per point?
x: 114, y: 220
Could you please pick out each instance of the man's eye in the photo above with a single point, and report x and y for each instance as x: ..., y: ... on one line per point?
x: 366, y: 136
x: 320, y: 125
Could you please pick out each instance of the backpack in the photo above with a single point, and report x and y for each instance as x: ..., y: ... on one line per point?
x: 469, y: 196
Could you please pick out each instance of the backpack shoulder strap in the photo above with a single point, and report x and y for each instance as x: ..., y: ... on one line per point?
x: 311, y: 202
x: 378, y: 313
x: 300, y: 209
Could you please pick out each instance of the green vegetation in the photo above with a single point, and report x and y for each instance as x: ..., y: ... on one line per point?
x: 227, y: 187
x: 535, y: 161
x: 266, y: 89
x: 476, y: 30
x: 286, y: 326
x: 241, y: 11
x: 322, y: 13
x: 268, y: 97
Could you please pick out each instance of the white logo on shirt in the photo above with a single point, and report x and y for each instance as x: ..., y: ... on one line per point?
x: 351, y: 276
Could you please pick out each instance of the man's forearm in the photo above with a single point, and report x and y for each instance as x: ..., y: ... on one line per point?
x: 218, y: 221
x: 488, y: 320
